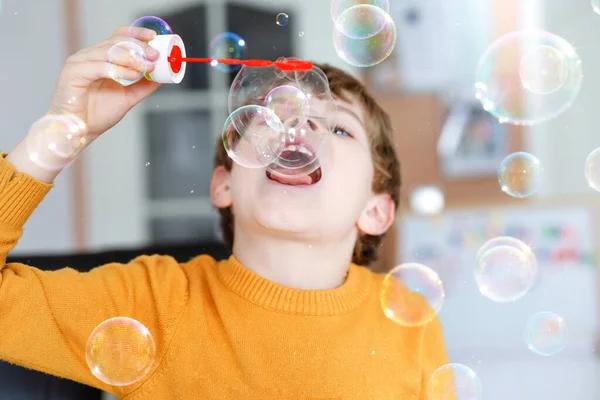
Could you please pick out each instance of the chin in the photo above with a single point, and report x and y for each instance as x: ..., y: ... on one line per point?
x: 286, y: 217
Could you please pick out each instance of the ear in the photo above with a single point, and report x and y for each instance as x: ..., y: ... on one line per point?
x: 220, y: 188
x: 378, y: 215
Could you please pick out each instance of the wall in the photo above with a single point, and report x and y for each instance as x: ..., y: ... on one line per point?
x: 564, y: 143
x: 33, y: 37
x: 114, y: 164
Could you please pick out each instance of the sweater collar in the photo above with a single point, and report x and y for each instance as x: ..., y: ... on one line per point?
x: 268, y: 294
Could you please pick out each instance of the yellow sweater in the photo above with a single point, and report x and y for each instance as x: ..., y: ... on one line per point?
x: 221, y: 331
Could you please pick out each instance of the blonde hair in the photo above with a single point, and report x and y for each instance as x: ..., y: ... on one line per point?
x: 386, y: 178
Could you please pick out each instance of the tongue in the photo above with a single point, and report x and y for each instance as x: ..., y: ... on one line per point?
x: 290, y: 180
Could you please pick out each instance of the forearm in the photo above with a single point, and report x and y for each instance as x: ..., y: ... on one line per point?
x: 33, y: 158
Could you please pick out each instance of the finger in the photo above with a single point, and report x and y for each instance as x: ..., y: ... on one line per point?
x: 136, y: 32
x: 99, y: 51
x: 125, y: 54
x: 85, y: 73
x: 149, y: 52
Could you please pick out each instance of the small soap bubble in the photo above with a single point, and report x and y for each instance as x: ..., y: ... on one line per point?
x: 290, y: 105
x: 339, y: 6
x: 520, y: 174
x: 412, y: 294
x: 228, y: 45
x: 253, y: 136
x: 156, y: 24
x: 120, y: 351
x: 126, y: 55
x: 55, y: 140
x: 543, y: 70
x: 454, y: 382
x: 592, y: 169
x: 301, y: 33
x: 550, y: 77
x: 505, y: 269
x: 282, y: 19
x: 546, y: 333
x: 367, y: 45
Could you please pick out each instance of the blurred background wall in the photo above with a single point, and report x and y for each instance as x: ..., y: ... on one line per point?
x: 146, y: 181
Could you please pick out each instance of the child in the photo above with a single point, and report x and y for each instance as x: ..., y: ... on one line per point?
x: 289, y: 316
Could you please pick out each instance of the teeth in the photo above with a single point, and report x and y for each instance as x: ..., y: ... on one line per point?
x: 299, y: 148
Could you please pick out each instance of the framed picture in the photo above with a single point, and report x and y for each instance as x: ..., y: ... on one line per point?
x: 472, y: 143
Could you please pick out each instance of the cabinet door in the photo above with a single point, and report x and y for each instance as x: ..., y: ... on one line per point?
x: 180, y: 148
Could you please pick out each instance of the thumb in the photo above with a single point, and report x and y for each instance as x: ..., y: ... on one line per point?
x: 139, y: 91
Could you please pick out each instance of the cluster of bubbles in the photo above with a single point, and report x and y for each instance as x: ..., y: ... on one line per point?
x: 505, y: 270
x: 279, y: 119
x: 120, y: 351
x: 364, y: 33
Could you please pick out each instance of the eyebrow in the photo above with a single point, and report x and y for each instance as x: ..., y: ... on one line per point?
x: 352, y: 113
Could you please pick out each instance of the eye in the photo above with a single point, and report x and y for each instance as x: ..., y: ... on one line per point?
x: 340, y: 131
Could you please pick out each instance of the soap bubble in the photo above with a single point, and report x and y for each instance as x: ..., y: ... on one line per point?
x: 505, y: 270
x: 120, y: 351
x: 412, y: 294
x: 126, y: 54
x: 361, y: 22
x: 454, y: 382
x: 228, y: 45
x: 282, y: 19
x: 290, y: 104
x: 339, y: 6
x: 55, y: 140
x: 253, y: 136
x: 511, y: 242
x: 546, y: 333
x: 307, y: 123
x: 596, y: 6
x: 528, y: 77
x: 153, y: 23
x: 520, y: 174
x: 592, y: 169
x: 543, y: 70
x: 379, y: 36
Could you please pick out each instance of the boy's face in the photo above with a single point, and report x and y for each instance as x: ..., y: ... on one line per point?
x: 336, y: 207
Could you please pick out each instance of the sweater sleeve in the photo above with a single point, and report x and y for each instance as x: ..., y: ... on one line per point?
x: 46, y: 317
x: 434, y: 356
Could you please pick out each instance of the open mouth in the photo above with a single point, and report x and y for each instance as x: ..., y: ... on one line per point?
x: 287, y: 172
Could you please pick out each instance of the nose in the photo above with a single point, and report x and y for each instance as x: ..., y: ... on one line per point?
x: 304, y: 123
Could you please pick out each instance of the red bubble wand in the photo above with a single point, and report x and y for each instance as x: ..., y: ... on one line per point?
x: 176, y: 60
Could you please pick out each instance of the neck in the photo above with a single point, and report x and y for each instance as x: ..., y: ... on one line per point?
x: 292, y: 263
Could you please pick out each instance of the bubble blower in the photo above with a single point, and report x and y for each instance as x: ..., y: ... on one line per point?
x: 171, y: 65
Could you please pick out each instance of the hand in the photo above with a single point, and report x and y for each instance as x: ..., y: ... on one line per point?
x: 85, y: 87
